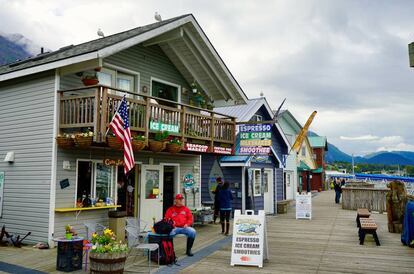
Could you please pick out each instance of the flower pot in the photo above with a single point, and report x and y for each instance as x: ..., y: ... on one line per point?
x: 68, y: 236
x: 138, y: 145
x: 174, y: 148
x: 114, y: 143
x: 156, y: 146
x: 101, y: 263
x: 83, y: 142
x: 64, y: 142
x: 90, y: 82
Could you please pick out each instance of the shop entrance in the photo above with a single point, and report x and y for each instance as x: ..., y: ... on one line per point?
x: 269, y: 194
x: 170, y: 182
x: 151, y: 193
x: 126, y: 187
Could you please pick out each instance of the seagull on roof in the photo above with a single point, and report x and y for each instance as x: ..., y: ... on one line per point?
x: 157, y: 17
x: 100, y: 33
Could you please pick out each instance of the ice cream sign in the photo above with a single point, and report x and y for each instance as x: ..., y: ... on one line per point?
x: 255, y: 139
x: 157, y: 126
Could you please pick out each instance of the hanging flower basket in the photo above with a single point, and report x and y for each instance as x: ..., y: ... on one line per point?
x: 156, y: 146
x: 114, y: 143
x: 174, y: 148
x: 90, y: 82
x: 65, y: 142
x: 83, y: 142
x: 138, y: 145
x: 102, y: 263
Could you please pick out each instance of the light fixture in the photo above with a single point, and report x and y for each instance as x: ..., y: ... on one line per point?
x: 9, y: 157
x: 144, y: 89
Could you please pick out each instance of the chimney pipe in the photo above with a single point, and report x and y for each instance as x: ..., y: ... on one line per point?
x: 42, y: 50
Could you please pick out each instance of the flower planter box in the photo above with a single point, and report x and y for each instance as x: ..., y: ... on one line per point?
x: 83, y: 142
x: 64, y: 142
x: 114, y: 143
x: 174, y: 148
x: 156, y: 146
x: 102, y: 263
x: 138, y: 145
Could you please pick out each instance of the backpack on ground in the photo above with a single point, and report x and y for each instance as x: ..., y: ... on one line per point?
x: 166, y: 249
x: 165, y: 226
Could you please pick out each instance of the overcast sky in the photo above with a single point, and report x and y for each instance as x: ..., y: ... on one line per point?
x: 346, y: 59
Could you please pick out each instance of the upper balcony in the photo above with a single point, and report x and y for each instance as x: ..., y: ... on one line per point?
x: 93, y: 107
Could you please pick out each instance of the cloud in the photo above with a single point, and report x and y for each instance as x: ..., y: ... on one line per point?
x: 397, y: 147
x: 360, y: 138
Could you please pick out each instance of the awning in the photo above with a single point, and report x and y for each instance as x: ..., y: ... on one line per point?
x: 318, y: 170
x: 235, y: 160
x: 303, y: 166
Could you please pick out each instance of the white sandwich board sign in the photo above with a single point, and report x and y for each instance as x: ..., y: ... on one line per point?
x: 304, y: 206
x: 249, y: 244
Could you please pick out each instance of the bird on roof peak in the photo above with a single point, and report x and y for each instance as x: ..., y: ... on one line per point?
x: 157, y: 17
x: 100, y: 33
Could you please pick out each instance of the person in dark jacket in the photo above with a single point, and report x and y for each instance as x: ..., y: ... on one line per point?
x: 225, y: 198
x: 216, y: 198
x: 338, y: 191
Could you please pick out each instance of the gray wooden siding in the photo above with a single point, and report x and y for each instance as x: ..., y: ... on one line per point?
x: 149, y: 62
x: 26, y: 122
x: 66, y: 197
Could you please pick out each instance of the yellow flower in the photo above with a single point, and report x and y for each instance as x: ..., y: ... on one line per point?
x: 94, y: 235
x: 107, y: 232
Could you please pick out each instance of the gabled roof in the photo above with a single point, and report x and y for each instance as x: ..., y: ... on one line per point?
x: 181, y: 38
x: 288, y: 116
x: 318, y: 142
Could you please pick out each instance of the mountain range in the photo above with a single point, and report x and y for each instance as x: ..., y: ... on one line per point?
x: 15, y: 47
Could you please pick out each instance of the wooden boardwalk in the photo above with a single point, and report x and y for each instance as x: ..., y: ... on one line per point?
x: 326, y: 244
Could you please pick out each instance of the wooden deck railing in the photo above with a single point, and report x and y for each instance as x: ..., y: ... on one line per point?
x: 364, y: 197
x: 95, y: 106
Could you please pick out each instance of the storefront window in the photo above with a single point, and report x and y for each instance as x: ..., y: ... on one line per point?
x: 257, y: 182
x: 265, y: 181
x: 152, y: 182
x: 104, y: 176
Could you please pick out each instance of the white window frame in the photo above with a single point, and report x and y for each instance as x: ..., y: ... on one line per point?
x: 258, y: 118
x: 254, y: 182
x: 167, y: 83
x: 93, y: 178
x: 118, y: 69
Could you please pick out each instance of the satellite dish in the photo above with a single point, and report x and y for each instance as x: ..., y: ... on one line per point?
x: 100, y: 33
x: 157, y: 17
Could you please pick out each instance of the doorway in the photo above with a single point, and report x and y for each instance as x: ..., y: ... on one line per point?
x: 169, y: 187
x: 269, y: 196
x: 126, y: 186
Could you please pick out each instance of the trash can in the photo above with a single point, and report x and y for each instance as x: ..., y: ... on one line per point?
x: 117, y: 223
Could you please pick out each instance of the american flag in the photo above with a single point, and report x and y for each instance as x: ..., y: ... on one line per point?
x: 120, y: 127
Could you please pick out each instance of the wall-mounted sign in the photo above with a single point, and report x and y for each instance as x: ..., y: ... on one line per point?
x: 64, y: 183
x: 255, y: 135
x: 249, y: 245
x: 253, y: 143
x: 1, y: 191
x: 113, y: 162
x: 157, y: 126
x: 223, y: 150
x: 254, y: 150
x: 195, y: 147
x: 256, y: 128
x: 188, y: 181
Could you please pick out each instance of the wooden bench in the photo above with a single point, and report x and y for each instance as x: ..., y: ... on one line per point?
x: 362, y: 213
x: 367, y: 226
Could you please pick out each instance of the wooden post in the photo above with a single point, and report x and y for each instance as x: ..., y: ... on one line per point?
x: 147, y: 119
x: 61, y: 115
x: 96, y: 115
x: 212, y: 132
x: 183, y: 123
x: 104, y: 114
x: 233, y: 134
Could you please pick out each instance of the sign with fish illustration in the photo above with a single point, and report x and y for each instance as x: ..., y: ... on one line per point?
x: 249, y: 245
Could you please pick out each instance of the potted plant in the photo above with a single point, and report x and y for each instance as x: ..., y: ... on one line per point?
x: 158, y: 144
x: 90, y: 78
x: 84, y: 140
x: 113, y: 142
x: 138, y: 142
x: 107, y: 255
x: 65, y: 141
x: 194, y: 87
x: 69, y: 232
x: 174, y: 145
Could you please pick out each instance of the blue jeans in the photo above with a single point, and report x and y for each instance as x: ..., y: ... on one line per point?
x: 337, y: 196
x: 187, y: 231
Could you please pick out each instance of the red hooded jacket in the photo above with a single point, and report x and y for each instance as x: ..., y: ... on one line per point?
x: 180, y: 215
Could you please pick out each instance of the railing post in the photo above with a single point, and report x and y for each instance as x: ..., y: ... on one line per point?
x: 96, y: 115
x: 147, y: 119
x: 183, y: 123
x: 233, y: 133
x: 104, y: 114
x: 61, y: 116
x: 212, y: 133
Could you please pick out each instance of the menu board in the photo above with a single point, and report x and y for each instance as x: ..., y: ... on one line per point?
x: 304, y: 206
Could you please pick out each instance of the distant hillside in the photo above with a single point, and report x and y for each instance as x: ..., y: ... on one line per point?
x: 11, y: 51
x: 335, y: 154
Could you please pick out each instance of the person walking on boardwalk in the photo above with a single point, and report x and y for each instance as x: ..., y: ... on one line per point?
x: 338, y: 191
x: 225, y: 198
x: 216, y: 199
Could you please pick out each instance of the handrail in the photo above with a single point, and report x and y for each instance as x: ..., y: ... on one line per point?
x: 146, y: 96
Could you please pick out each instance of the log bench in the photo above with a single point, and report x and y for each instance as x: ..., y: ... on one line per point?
x: 362, y: 213
x: 368, y: 226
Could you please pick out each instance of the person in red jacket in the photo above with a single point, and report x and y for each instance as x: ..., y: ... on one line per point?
x: 183, y: 220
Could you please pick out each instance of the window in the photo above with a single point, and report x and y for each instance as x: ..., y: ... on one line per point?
x: 304, y: 151
x: 257, y: 181
x: 118, y: 79
x: 94, y: 180
x: 314, y: 156
x: 165, y: 90
x: 257, y: 118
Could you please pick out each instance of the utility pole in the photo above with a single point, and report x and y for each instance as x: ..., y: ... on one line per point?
x: 353, y: 170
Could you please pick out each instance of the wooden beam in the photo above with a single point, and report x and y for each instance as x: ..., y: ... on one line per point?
x: 165, y: 38
x: 207, y: 60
